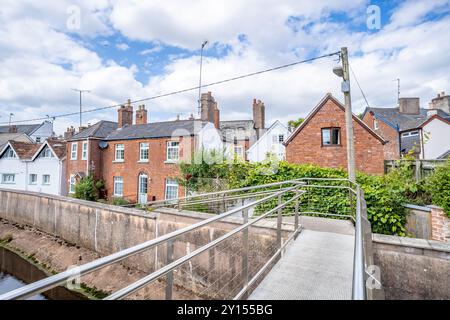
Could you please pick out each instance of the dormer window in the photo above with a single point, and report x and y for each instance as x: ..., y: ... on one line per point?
x: 47, y: 153
x: 9, y: 154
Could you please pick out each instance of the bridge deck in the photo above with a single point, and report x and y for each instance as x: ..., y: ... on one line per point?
x: 318, y: 265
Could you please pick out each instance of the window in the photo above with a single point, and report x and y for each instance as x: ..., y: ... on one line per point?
x: 278, y: 138
x: 143, y: 151
x: 46, y: 179
x: 331, y: 136
x: 118, y: 186
x: 32, y: 178
x: 47, y: 153
x: 84, y: 150
x: 172, y: 150
x: 375, y: 124
x: 73, y: 153
x: 120, y: 152
x: 239, y: 151
x: 171, y: 189
x: 410, y: 134
x: 38, y: 139
x: 72, y: 182
x: 8, y: 178
x: 10, y: 153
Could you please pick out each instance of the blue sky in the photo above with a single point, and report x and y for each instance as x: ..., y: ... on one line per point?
x: 131, y: 49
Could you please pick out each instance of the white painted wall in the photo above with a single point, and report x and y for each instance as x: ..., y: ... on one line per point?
x: 40, y: 166
x: 258, y: 151
x: 43, y: 132
x: 438, y: 139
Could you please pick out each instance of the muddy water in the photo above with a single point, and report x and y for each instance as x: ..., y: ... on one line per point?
x: 16, y: 272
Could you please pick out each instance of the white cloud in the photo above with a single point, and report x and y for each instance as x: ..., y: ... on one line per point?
x: 122, y: 46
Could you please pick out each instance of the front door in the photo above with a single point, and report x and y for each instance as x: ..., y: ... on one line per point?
x: 142, y: 188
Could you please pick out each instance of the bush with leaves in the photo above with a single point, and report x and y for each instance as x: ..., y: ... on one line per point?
x: 89, y: 189
x: 438, y: 185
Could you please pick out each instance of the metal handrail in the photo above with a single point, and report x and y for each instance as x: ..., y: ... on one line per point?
x: 58, y: 279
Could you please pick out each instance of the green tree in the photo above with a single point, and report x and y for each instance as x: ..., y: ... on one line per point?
x: 295, y: 123
x: 89, y: 189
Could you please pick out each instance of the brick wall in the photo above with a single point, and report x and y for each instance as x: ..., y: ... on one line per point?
x: 391, y: 148
x: 440, y: 225
x: 156, y: 168
x: 306, y: 146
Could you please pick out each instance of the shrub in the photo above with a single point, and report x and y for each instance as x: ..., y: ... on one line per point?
x: 438, y: 185
x: 119, y: 201
x: 88, y: 189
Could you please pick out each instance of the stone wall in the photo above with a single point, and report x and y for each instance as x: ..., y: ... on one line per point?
x: 106, y: 229
x: 413, y: 268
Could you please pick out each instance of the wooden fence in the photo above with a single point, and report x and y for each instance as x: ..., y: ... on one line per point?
x: 422, y: 168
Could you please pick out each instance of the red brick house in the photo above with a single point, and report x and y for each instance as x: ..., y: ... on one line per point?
x: 84, y: 156
x: 321, y: 140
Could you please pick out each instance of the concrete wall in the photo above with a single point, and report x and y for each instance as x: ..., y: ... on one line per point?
x: 106, y: 229
x: 413, y: 268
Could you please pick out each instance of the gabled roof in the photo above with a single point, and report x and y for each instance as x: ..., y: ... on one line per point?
x: 22, y: 128
x: 21, y: 137
x: 322, y: 102
x: 273, y: 125
x: 394, y: 118
x: 23, y: 150
x: 158, y: 130
x: 58, y: 148
x: 436, y: 116
x: 445, y: 155
x: 99, y: 130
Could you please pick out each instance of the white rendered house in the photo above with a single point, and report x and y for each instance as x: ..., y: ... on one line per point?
x: 33, y: 167
x: 270, y: 143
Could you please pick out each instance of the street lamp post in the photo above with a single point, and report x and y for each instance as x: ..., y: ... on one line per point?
x: 343, y: 72
x: 200, y: 78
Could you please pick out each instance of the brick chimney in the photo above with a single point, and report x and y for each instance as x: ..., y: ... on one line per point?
x: 207, y: 107
x: 409, y: 105
x: 125, y: 115
x: 441, y: 102
x: 259, y: 116
x: 217, y: 118
x: 12, y: 129
x: 141, y: 115
x: 69, y: 133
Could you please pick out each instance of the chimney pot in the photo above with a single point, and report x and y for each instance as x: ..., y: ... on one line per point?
x: 141, y: 115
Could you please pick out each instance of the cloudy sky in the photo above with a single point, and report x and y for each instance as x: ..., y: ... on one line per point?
x: 121, y: 49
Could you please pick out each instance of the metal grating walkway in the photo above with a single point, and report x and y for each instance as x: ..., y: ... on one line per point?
x: 318, y: 265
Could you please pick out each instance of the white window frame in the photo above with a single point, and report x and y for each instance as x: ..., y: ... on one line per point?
x: 240, y: 154
x: 171, y: 183
x: 117, y: 180
x: 375, y: 124
x: 74, y: 151
x: 10, y: 154
x: 45, y: 151
x: 120, y: 147
x: 30, y: 180
x: 144, y: 147
x: 72, y: 183
x: 46, y: 183
x: 410, y: 134
x: 8, y: 181
x: 84, y: 150
x: 171, y: 146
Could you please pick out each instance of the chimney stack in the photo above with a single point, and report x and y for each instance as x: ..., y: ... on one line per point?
x: 12, y: 129
x: 141, y: 115
x: 69, y: 133
x: 217, y: 118
x: 209, y: 110
x: 125, y: 115
x: 441, y: 102
x: 259, y: 116
x: 409, y: 105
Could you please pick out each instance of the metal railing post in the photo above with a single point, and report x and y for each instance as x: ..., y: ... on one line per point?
x: 169, y: 277
x: 279, y: 222
x: 296, y: 218
x: 245, y: 250
x: 358, y: 286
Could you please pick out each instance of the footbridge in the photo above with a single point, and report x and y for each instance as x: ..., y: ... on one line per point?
x: 296, y: 239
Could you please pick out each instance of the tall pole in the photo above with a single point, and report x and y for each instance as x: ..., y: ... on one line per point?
x: 348, y: 116
x: 81, y: 104
x: 398, y: 91
x: 10, y: 118
x: 200, y: 78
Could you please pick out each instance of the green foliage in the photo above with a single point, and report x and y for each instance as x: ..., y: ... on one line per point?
x: 119, y: 201
x: 89, y: 189
x: 295, y: 123
x: 438, y: 185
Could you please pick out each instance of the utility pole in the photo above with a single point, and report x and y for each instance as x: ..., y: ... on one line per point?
x: 81, y: 92
x: 348, y: 115
x: 200, y: 78
x: 398, y: 91
x: 10, y: 118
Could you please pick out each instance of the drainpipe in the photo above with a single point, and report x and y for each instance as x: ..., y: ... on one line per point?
x: 421, y: 143
x: 87, y: 157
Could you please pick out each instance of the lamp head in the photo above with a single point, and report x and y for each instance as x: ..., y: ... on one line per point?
x: 338, y: 71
